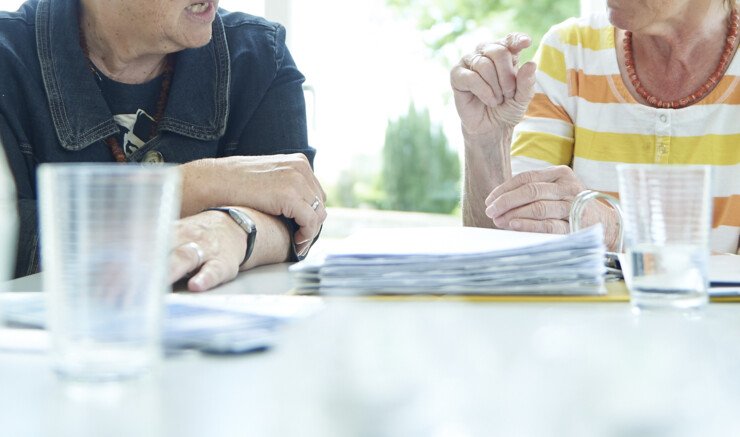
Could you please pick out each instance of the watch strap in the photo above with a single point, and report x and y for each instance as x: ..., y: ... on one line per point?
x: 245, y: 222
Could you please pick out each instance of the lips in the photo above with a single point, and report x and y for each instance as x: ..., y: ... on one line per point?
x: 198, y: 8
x: 203, y: 11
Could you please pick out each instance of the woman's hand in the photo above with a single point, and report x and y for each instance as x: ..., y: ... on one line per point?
x: 491, y: 93
x: 273, y: 184
x: 540, y: 201
x: 210, y: 245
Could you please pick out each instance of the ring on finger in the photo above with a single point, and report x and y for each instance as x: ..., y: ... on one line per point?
x: 198, y: 251
x: 316, y: 203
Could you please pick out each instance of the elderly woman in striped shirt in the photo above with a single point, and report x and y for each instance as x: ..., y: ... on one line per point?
x: 646, y: 82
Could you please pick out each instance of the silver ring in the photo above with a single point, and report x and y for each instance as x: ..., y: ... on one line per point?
x: 315, y: 203
x: 198, y: 251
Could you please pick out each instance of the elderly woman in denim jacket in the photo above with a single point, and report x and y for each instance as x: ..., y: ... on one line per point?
x: 166, y: 81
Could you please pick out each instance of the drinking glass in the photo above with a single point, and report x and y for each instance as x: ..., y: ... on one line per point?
x: 8, y: 219
x: 105, y: 239
x: 666, y: 213
x: 8, y: 226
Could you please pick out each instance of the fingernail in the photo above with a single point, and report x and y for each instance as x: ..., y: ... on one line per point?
x: 198, y: 282
x: 491, y: 212
x: 515, y: 225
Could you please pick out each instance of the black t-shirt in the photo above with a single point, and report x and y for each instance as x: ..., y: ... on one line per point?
x: 133, y: 108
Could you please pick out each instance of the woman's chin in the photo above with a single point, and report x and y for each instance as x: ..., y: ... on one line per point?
x: 196, y: 40
x: 618, y: 19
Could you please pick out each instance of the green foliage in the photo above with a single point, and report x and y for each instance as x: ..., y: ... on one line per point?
x: 358, y: 186
x: 420, y: 171
x: 444, y: 21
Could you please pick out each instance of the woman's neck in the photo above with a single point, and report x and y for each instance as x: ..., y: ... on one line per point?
x: 691, y: 37
x: 674, y: 60
x: 119, y: 53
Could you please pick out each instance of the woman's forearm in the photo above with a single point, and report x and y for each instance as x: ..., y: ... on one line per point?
x: 487, y: 165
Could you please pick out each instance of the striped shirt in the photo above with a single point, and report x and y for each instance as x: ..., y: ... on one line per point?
x: 582, y: 115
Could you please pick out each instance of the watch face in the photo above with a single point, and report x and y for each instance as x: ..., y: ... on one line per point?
x: 243, y: 220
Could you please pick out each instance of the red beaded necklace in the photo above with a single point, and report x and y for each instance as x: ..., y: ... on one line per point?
x: 164, y: 94
x: 724, y: 62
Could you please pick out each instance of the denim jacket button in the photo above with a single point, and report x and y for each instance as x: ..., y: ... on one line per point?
x: 153, y: 157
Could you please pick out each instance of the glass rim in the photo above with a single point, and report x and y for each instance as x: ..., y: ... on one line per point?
x: 107, y: 167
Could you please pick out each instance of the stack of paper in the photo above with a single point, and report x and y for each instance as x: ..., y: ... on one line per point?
x: 457, y: 260
x: 224, y: 324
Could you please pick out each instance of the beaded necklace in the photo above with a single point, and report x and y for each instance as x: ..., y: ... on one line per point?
x: 724, y: 62
x: 164, y: 93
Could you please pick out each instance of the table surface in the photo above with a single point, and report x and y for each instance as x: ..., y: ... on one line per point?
x: 414, y: 367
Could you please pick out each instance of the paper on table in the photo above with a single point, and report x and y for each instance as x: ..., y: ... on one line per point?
x: 210, y: 323
x: 457, y: 260
x: 445, y: 241
x: 724, y: 269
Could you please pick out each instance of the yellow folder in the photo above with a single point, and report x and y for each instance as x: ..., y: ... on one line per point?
x: 615, y: 292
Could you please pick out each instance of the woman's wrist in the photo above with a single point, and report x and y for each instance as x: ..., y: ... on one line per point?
x: 245, y: 222
x: 197, y: 177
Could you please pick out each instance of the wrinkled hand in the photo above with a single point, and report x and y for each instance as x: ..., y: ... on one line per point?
x: 540, y: 201
x: 273, y: 184
x: 219, y: 246
x: 491, y: 93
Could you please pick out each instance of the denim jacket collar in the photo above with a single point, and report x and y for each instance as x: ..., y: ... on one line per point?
x: 199, y: 95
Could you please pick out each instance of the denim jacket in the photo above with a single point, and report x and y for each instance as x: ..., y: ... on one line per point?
x: 241, y: 94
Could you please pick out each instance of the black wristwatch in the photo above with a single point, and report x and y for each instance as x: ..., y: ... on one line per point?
x: 246, y: 223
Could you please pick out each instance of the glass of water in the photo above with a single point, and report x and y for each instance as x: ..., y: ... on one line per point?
x: 667, y: 223
x: 105, y: 238
x: 665, y: 218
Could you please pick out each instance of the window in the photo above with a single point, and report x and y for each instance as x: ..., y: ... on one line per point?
x: 10, y: 5
x: 255, y: 7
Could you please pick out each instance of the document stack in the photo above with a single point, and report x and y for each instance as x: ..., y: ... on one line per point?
x: 457, y: 260
x: 216, y: 324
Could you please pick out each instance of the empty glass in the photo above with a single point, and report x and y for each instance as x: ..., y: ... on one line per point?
x: 105, y: 240
x: 8, y: 226
x: 8, y: 220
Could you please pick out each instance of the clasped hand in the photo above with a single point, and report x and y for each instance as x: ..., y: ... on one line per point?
x: 273, y: 185
x: 540, y: 201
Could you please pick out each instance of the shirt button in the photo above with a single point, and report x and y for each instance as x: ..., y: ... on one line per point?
x: 153, y: 157
x: 663, y: 118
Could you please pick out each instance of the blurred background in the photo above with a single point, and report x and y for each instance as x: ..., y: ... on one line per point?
x: 378, y: 97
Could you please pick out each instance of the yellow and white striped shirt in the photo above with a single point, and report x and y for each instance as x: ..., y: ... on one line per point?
x: 582, y: 115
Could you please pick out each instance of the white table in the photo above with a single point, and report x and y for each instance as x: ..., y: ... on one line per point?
x: 428, y: 367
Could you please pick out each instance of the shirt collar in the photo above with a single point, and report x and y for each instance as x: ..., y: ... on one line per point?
x: 199, y: 95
